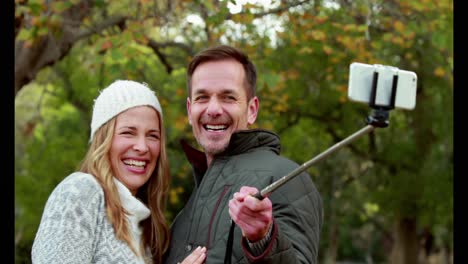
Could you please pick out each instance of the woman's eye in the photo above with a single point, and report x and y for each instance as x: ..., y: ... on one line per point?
x: 126, y: 133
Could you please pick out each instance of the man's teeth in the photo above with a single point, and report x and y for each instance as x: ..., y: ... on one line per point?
x: 136, y: 163
x: 216, y: 127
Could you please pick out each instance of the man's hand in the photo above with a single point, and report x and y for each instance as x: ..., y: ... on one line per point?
x: 253, y: 216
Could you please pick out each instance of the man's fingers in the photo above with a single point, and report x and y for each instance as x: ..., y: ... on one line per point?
x: 248, y: 190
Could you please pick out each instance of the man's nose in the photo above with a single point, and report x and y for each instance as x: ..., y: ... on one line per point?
x: 214, y: 107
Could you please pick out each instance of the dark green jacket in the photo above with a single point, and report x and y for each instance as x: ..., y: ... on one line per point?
x: 251, y: 159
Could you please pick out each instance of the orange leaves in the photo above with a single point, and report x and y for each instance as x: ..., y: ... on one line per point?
x: 327, y: 49
x: 106, y: 45
x: 321, y: 19
x: 292, y: 74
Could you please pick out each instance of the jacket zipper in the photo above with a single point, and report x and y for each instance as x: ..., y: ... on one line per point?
x: 221, y: 196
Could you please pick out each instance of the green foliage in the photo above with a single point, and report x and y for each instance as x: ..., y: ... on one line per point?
x: 404, y: 170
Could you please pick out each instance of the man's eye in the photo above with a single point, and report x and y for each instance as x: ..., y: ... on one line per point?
x: 201, y: 97
x: 229, y: 98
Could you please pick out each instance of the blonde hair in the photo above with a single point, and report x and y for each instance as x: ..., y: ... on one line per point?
x: 153, y: 193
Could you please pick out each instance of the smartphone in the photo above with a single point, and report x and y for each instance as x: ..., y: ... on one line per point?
x: 364, y: 77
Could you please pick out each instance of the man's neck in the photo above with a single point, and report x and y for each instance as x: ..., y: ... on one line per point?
x: 209, y: 159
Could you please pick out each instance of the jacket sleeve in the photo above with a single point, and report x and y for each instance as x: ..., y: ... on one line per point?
x: 297, y: 212
x: 68, y: 224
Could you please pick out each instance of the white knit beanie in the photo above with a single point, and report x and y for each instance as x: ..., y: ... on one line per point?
x: 118, y: 97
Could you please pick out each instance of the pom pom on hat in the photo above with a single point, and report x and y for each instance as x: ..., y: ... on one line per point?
x: 117, y: 98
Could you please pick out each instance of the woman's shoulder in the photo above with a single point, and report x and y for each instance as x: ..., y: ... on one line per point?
x: 78, y: 186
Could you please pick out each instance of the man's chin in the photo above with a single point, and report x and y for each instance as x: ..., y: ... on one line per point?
x: 214, y: 149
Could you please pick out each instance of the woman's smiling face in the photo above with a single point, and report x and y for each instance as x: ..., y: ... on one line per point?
x: 136, y: 146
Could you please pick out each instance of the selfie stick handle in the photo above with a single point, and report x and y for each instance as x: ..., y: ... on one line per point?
x: 265, y: 192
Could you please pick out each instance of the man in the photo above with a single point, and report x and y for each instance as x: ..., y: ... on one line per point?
x: 236, y: 163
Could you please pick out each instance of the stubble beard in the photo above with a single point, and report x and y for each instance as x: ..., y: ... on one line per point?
x: 213, y: 148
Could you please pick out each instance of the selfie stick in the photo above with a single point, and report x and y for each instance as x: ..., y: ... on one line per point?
x: 378, y: 118
x: 265, y: 192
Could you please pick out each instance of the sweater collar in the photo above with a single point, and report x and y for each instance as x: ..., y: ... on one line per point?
x: 137, y: 210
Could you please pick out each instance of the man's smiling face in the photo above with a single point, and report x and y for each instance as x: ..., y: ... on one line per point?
x: 218, y: 104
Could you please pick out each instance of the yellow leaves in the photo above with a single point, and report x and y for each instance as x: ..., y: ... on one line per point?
x: 398, y: 40
x: 327, y: 49
x: 410, y: 35
x: 399, y: 27
x: 336, y: 59
x: 244, y: 18
x: 350, y: 43
x: 180, y: 122
x: 350, y: 28
x: 342, y: 88
x: 408, y: 56
x: 174, y: 195
x: 294, y: 40
x: 318, y: 35
x: 277, y: 98
x: 281, y: 105
x: 35, y: 21
x: 439, y: 72
x: 371, y: 208
x: 306, y: 50
x: 343, y: 99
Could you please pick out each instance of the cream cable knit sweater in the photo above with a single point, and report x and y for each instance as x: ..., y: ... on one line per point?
x: 75, y: 229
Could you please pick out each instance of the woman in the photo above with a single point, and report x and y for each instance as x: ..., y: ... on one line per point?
x: 112, y: 209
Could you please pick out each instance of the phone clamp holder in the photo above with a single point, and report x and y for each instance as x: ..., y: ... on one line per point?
x: 380, y: 113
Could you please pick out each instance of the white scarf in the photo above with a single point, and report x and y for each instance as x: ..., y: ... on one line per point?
x: 136, y: 209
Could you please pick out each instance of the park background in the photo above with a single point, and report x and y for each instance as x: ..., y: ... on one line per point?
x: 388, y: 196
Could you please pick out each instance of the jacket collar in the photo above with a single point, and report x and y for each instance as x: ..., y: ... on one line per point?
x: 241, y: 141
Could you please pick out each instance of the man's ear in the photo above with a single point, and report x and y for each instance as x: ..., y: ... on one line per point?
x: 252, y: 110
x: 188, y: 111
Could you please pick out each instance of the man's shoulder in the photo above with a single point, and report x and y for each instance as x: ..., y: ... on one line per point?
x: 269, y: 159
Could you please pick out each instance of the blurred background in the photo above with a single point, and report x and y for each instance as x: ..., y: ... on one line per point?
x: 388, y: 197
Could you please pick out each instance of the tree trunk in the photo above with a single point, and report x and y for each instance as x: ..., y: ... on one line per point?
x: 332, y: 250
x: 406, y: 246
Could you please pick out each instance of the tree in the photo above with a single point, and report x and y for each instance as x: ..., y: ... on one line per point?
x: 383, y: 193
